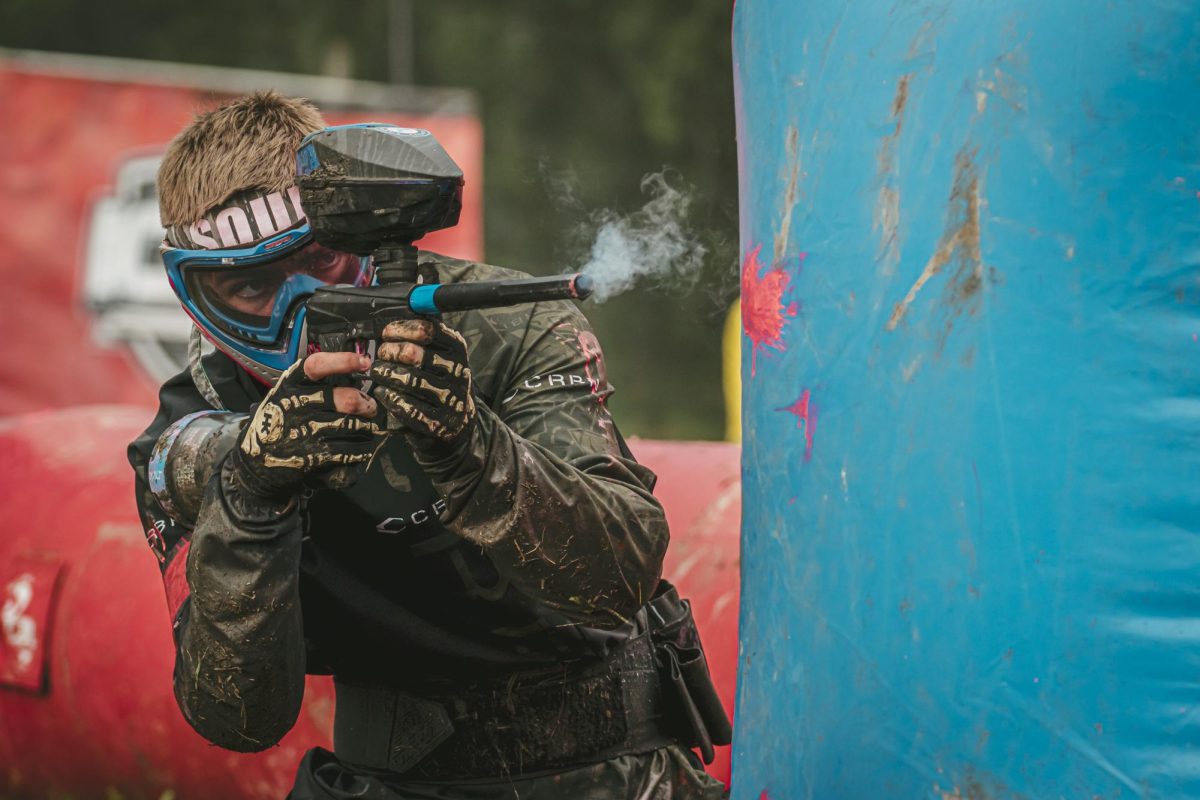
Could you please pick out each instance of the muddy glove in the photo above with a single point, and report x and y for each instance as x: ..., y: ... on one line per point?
x: 306, y: 432
x: 424, y: 381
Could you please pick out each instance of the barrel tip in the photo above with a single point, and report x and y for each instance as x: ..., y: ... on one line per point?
x: 582, y: 286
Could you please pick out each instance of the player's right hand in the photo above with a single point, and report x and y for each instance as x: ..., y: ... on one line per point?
x: 307, y: 432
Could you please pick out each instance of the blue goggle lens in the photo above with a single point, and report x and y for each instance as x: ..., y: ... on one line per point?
x: 253, y: 297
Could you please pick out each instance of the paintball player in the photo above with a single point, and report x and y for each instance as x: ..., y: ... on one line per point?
x: 469, y: 548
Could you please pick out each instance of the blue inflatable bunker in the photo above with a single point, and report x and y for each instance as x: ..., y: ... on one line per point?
x: 971, y: 305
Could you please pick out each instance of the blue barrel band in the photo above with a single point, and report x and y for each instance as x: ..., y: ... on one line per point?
x: 421, y: 300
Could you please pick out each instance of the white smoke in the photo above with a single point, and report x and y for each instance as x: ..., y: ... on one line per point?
x: 653, y: 243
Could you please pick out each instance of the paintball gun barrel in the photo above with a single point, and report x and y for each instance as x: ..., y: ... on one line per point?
x: 339, y: 317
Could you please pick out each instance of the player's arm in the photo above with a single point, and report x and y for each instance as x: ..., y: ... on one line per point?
x: 232, y: 580
x: 539, y: 480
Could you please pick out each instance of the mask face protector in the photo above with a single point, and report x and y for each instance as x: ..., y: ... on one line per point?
x: 251, y: 300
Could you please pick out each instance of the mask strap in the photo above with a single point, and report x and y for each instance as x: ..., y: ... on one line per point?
x: 199, y: 376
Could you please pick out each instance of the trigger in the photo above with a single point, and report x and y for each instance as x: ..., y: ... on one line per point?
x: 365, y: 348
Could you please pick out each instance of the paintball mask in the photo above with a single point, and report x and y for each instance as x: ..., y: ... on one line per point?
x: 244, y: 271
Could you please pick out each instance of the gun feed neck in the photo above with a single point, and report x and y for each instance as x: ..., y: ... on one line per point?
x: 395, y: 263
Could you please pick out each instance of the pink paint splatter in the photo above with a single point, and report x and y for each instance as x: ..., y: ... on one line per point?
x: 762, y: 305
x: 593, y: 367
x: 597, y: 378
x: 764, y: 795
x: 806, y: 418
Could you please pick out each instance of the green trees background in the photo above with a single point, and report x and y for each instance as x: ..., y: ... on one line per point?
x: 579, y: 95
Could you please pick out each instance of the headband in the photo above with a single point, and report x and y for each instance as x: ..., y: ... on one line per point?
x: 244, y: 220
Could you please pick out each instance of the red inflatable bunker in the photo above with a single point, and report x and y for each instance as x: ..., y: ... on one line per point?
x: 85, y: 650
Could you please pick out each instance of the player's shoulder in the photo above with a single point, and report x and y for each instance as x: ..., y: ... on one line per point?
x: 461, y: 270
x: 176, y: 398
x: 179, y: 397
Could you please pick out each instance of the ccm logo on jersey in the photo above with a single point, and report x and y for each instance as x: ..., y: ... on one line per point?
x: 418, y: 517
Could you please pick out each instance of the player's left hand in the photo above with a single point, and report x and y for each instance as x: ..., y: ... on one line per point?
x: 423, y: 380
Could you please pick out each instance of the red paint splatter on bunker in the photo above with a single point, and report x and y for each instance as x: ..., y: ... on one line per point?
x: 763, y: 312
x: 806, y: 418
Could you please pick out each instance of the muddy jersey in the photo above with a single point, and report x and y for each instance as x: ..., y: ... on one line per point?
x: 532, y: 545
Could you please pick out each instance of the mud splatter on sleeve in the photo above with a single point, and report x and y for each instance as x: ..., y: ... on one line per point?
x: 541, y: 482
x: 232, y: 592
x: 240, y: 658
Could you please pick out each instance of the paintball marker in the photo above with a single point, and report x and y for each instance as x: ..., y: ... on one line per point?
x: 374, y: 189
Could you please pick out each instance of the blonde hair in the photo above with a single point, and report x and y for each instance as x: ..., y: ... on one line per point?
x: 247, y: 144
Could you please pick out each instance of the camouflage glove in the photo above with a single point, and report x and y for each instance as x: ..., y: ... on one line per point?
x: 424, y: 381
x: 297, y: 436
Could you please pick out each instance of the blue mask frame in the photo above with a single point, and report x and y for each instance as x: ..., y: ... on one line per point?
x: 280, y: 340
